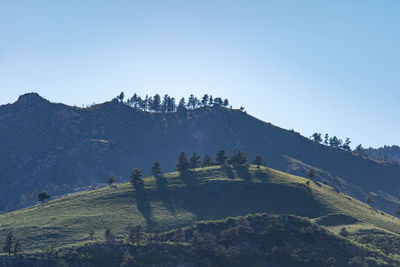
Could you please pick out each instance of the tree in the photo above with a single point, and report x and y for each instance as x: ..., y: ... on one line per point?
x: 128, y: 260
x: 135, y: 233
x: 164, y: 105
x: 207, y: 161
x: 183, y: 164
x: 135, y: 176
x: 182, y: 105
x: 359, y: 149
x: 191, y: 102
x: 221, y: 157
x: 156, y: 106
x: 241, y: 108
x: 335, y: 142
x: 121, y: 97
x: 316, y: 137
x: 156, y: 169
x: 258, y: 160
x: 218, y: 101
x: 211, y: 101
x: 226, y: 103
x: 111, y: 180
x: 17, y: 247
x: 311, y: 174
x: 43, y: 196
x: 195, y: 161
x: 238, y: 158
x: 346, y: 145
x: 171, y: 105
x: 8, y: 244
x: 326, y: 139
x: 204, y: 100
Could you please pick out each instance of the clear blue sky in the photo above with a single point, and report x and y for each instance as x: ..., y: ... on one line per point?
x: 329, y: 66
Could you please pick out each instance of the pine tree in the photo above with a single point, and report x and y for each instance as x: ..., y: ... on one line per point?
x: 43, y: 196
x: 191, y: 102
x: 259, y: 160
x: 128, y: 260
x: 171, y: 105
x: 121, y: 97
x: 218, y: 101
x: 204, y: 100
x: 135, y: 176
x: 183, y: 164
x: 156, y: 103
x: 111, y: 180
x: 226, y: 103
x: 207, y: 161
x: 135, y: 233
x: 238, y: 158
x: 182, y: 105
x: 211, y: 101
x: 221, y: 157
x: 326, y: 139
x: 195, y: 161
x: 317, y: 137
x: 164, y: 105
x: 346, y: 145
x: 156, y: 169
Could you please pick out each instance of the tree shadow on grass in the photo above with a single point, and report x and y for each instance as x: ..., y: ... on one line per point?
x: 143, y: 203
x: 189, y: 178
x: 164, y: 193
x: 228, y: 171
x: 243, y: 172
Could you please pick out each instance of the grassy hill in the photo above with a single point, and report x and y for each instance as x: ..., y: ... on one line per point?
x: 252, y: 240
x: 176, y: 200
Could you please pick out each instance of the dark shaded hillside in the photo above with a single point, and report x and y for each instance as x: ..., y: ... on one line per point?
x: 54, y: 147
x: 253, y: 240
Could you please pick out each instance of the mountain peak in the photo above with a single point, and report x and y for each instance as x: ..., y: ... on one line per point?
x: 31, y: 99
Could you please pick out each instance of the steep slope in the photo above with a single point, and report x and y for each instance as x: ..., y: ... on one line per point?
x: 176, y: 200
x: 54, y: 147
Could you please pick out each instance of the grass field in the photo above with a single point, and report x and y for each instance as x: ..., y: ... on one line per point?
x: 174, y: 200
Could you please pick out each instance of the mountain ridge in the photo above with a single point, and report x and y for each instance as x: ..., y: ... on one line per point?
x: 55, y: 147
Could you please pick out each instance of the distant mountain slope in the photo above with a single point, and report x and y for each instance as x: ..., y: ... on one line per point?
x: 54, y: 147
x: 176, y: 200
x: 386, y: 153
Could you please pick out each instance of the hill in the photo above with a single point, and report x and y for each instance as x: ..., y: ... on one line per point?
x: 57, y: 148
x: 253, y: 240
x: 176, y: 200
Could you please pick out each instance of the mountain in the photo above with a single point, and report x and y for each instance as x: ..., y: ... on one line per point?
x: 58, y: 148
x: 180, y: 203
x: 385, y: 153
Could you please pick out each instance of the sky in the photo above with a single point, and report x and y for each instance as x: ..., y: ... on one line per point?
x: 325, y: 66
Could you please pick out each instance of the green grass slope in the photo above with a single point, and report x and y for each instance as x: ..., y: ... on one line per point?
x: 175, y: 200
